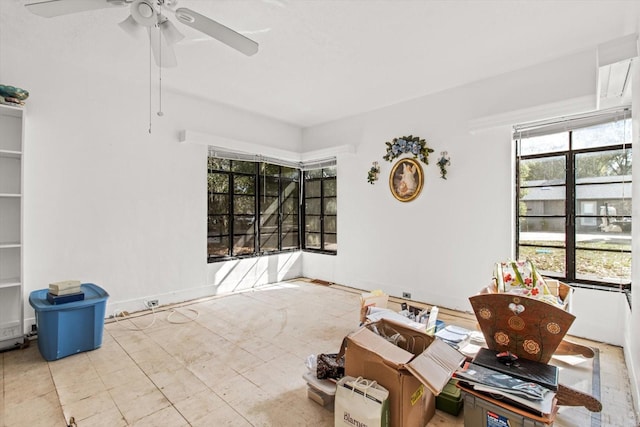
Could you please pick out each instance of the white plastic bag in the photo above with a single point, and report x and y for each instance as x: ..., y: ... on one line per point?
x: 361, y: 402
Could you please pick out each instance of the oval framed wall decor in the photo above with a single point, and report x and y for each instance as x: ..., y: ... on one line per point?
x: 406, y: 179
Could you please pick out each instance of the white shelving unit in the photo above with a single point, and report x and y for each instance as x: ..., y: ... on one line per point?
x: 11, y: 277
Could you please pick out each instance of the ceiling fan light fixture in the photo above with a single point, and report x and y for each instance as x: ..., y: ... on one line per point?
x: 144, y: 13
x: 131, y: 27
x: 170, y: 32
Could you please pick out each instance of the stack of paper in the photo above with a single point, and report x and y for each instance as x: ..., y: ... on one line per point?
x: 66, y: 287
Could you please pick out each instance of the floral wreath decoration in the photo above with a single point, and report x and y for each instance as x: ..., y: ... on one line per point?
x: 408, y: 145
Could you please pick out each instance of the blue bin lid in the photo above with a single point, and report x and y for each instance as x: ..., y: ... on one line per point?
x: 92, y: 294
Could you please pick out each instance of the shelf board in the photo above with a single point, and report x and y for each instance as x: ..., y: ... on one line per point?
x: 10, y: 154
x: 8, y: 110
x: 10, y: 283
x: 10, y: 195
x: 7, y: 245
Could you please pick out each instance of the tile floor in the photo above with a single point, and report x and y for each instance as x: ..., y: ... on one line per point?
x: 239, y: 363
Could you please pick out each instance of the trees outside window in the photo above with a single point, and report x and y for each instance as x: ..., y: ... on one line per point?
x: 252, y: 208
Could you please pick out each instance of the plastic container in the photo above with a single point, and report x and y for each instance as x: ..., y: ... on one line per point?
x: 481, y: 413
x: 320, y: 391
x: 450, y: 399
x: 74, y: 327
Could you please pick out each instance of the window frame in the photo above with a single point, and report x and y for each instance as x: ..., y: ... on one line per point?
x: 323, y: 233
x: 570, y: 217
x: 258, y: 190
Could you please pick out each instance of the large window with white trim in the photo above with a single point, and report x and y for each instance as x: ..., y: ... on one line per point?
x: 259, y: 206
x: 573, y: 208
x: 252, y: 208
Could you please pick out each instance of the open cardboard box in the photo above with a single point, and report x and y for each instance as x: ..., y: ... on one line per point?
x: 415, y: 369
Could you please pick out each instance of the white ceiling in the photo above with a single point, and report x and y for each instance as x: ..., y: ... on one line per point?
x: 321, y: 60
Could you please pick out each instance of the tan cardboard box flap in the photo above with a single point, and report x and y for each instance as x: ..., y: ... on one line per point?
x: 392, y: 354
x: 435, y: 366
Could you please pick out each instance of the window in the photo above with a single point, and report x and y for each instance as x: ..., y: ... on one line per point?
x: 574, y: 198
x: 320, y: 210
x: 252, y: 208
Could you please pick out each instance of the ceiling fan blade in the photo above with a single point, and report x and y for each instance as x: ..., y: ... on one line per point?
x: 131, y: 27
x: 216, y: 30
x: 162, y: 52
x: 52, y: 8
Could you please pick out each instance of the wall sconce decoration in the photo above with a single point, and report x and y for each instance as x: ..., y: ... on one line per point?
x: 443, y: 162
x: 374, y: 172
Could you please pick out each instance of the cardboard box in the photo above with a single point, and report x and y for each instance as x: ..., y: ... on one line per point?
x: 415, y: 367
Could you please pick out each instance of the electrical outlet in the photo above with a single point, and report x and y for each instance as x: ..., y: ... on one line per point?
x: 152, y: 303
x: 406, y: 295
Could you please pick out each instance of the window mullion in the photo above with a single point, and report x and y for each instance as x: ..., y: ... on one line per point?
x: 570, y: 212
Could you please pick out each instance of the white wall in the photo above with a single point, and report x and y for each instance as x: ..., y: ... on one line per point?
x: 441, y: 247
x: 107, y: 202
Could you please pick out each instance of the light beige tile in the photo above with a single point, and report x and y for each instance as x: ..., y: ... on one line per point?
x: 199, y: 405
x: 89, y: 406
x: 165, y: 417
x: 34, y: 411
x: 128, y: 376
x: 177, y: 385
x: 141, y: 406
x: 80, y: 391
x: 109, y: 418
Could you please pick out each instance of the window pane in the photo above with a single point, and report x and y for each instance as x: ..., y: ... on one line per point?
x: 613, y: 267
x: 541, y: 201
x: 330, y: 224
x: 596, y: 167
x: 331, y: 171
x: 290, y: 173
x: 542, y: 171
x: 614, y: 242
x: 269, y: 169
x: 244, y: 205
x: 312, y: 224
x: 219, y: 164
x: 290, y: 240
x: 218, y: 204
x: 269, y: 205
x: 545, y: 144
x: 243, y: 225
x: 290, y: 205
x: 268, y: 221
x: 548, y: 261
x: 312, y: 207
x: 218, y: 224
x: 314, y: 173
x: 269, y: 186
x: 218, y: 246
x: 612, y: 133
x: 329, y: 187
x: 243, y: 184
x: 542, y: 231
x: 312, y: 188
x: 243, y: 245
x: 330, y: 242
x: 313, y: 241
x: 245, y: 167
x: 609, y: 199
x: 269, y: 242
x: 330, y: 206
x: 218, y: 182
x: 290, y: 221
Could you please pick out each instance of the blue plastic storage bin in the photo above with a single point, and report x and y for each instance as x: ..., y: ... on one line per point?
x: 74, y: 327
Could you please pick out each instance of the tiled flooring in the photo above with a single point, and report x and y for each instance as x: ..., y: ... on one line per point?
x: 239, y: 363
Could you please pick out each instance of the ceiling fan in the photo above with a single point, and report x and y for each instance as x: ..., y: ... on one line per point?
x: 149, y: 15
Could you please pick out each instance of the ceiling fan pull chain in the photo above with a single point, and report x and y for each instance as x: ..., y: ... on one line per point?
x: 150, y: 86
x: 160, y: 113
